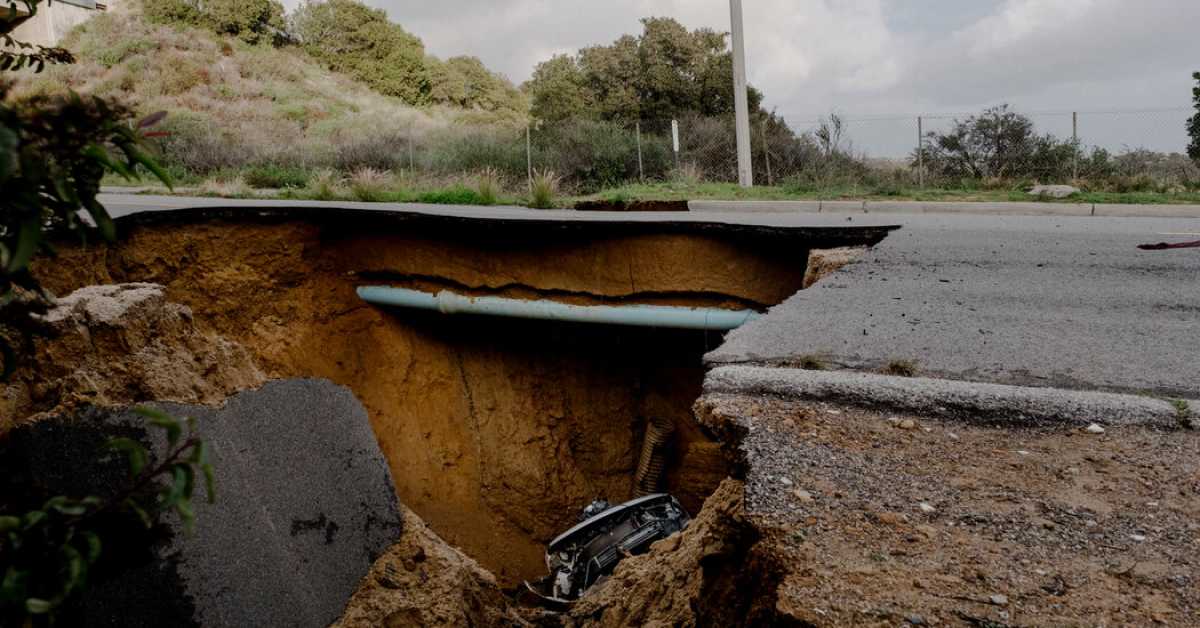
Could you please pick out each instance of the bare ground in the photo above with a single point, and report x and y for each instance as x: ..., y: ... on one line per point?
x: 883, y: 520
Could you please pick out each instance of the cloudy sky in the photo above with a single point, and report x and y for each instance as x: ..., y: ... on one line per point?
x: 883, y: 58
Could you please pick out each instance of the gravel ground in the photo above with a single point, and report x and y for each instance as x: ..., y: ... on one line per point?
x: 885, y: 519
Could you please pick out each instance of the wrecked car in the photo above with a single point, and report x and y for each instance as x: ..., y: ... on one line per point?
x: 580, y: 557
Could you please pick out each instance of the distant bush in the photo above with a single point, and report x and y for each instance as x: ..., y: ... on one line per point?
x: 998, y: 143
x: 591, y: 153
x: 387, y: 150
x: 473, y: 149
x: 369, y: 184
x: 275, y: 176
x: 325, y: 185
x: 252, y: 21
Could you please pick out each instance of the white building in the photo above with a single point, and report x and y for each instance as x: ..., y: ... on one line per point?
x: 54, y: 19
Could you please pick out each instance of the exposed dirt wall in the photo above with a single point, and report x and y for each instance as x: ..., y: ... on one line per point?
x: 497, y: 432
x: 113, y: 345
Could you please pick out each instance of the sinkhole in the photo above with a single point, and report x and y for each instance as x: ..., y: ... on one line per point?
x: 497, y: 430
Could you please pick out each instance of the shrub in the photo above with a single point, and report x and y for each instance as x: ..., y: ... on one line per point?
x: 542, y: 190
x: 471, y: 149
x: 590, y: 153
x: 325, y: 185
x: 378, y: 151
x: 195, y: 143
x: 488, y: 186
x: 275, y: 176
x: 998, y: 143
x: 369, y: 184
x: 226, y: 187
x: 252, y: 21
x: 688, y: 174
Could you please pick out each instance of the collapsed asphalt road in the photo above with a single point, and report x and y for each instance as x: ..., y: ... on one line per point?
x: 1052, y: 301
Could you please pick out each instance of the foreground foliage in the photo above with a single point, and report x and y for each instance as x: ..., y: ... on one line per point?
x: 47, y: 553
x: 54, y: 151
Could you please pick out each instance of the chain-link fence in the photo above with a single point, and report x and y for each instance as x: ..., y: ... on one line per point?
x: 1126, y: 150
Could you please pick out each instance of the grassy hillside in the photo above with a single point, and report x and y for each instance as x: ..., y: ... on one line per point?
x: 234, y: 105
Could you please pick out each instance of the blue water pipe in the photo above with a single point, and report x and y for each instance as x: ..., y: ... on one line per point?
x: 670, y: 316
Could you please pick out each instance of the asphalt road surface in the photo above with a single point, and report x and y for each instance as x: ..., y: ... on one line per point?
x: 1059, y: 301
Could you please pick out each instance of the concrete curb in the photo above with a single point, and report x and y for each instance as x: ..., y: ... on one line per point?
x: 941, y: 207
x: 968, y: 401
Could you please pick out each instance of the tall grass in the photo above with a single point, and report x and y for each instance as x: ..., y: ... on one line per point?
x: 369, y: 184
x: 542, y: 189
x: 325, y: 185
x: 488, y: 186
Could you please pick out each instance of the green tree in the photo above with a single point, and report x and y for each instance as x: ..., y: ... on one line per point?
x: 1193, y: 127
x: 665, y: 72
x: 997, y: 143
x: 352, y: 38
x: 465, y: 82
x: 559, y: 91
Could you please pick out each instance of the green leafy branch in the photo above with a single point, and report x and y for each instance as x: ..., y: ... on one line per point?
x: 46, y: 554
x: 54, y: 151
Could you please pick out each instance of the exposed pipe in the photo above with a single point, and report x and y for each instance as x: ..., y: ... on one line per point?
x: 671, y: 316
x: 654, y: 457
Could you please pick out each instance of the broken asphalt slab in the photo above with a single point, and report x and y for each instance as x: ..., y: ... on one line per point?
x: 968, y: 401
x: 305, y: 504
x: 1062, y: 302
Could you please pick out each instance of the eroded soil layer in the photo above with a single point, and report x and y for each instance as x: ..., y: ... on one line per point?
x: 497, y: 432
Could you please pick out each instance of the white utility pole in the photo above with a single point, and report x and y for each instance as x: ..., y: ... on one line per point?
x: 740, y: 100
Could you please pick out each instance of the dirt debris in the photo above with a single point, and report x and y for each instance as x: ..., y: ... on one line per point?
x: 713, y: 573
x: 424, y: 581
x: 115, y: 345
x: 825, y: 262
x: 954, y: 523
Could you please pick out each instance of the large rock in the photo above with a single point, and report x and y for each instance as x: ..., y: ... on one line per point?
x: 305, y: 505
x: 424, y: 581
x: 114, y: 345
x: 1054, y: 191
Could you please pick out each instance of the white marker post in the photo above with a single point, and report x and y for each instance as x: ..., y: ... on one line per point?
x: 740, y: 100
x: 675, y: 140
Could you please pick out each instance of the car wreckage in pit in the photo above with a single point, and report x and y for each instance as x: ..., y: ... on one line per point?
x: 582, y: 556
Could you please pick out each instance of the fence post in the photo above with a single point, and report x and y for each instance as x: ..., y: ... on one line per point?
x: 767, y: 154
x: 411, y: 167
x: 1075, y: 145
x: 920, y: 152
x: 529, y: 157
x: 675, y: 141
x: 641, y: 171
